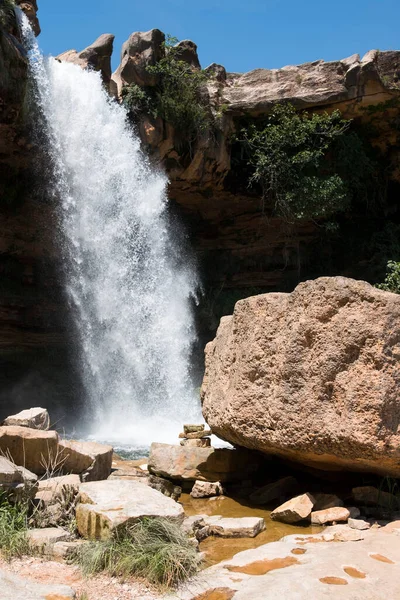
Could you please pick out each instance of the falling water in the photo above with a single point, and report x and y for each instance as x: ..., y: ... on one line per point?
x: 128, y: 278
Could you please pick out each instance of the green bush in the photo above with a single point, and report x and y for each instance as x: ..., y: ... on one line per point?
x: 308, y: 166
x: 155, y: 549
x: 13, y: 529
x: 392, y: 279
x: 178, y: 97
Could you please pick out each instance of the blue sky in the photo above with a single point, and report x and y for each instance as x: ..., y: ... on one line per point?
x: 241, y: 35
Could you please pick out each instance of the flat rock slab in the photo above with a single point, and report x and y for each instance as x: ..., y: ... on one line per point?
x: 34, y: 418
x: 205, y: 464
x: 112, y: 504
x: 91, y: 460
x: 14, y: 587
x: 297, y: 569
x: 30, y: 448
x: 42, y: 538
x: 235, y: 528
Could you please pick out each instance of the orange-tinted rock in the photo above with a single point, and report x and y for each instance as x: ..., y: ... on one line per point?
x: 311, y: 376
x: 329, y: 515
x: 294, y: 510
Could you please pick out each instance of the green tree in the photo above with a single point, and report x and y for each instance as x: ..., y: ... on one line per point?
x: 307, y: 165
x: 392, y: 279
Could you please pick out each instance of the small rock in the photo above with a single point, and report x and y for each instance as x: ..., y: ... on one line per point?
x: 324, y: 501
x: 354, y: 512
x: 57, y: 484
x: 66, y: 549
x: 235, y: 528
x: 330, y: 515
x: 206, y: 489
x: 34, y: 418
x: 273, y: 491
x: 358, y: 524
x: 169, y: 489
x: 16, y: 481
x: 196, y: 435
x: 197, y: 443
x: 193, y: 428
x: 191, y: 524
x: 43, y: 539
x: 294, y: 510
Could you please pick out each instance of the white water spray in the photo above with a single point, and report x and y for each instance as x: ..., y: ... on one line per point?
x: 130, y: 282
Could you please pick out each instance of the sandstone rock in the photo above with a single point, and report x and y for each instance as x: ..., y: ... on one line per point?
x: 89, y: 459
x: 108, y: 505
x: 141, y: 50
x: 354, y: 512
x: 358, y: 524
x: 188, y: 53
x: 166, y: 487
x: 294, y: 510
x: 193, y: 428
x: 16, y: 481
x: 204, y: 464
x: 65, y: 550
x: 30, y: 8
x: 96, y: 57
x: 206, y: 489
x: 311, y: 376
x: 196, y: 435
x: 371, y: 496
x: 324, y: 501
x: 31, y: 448
x: 43, y: 539
x: 216, y: 71
x: 56, y: 484
x: 14, y: 587
x: 329, y: 515
x: 234, y: 528
x: 274, y: 491
x: 34, y: 418
x: 197, y: 443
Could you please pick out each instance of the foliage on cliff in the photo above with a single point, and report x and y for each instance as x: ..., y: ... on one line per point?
x: 178, y: 97
x: 307, y: 166
x: 392, y: 279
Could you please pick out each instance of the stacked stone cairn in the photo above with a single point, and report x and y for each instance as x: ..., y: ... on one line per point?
x: 196, y: 436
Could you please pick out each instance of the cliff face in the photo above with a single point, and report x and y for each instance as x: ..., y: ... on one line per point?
x: 241, y: 245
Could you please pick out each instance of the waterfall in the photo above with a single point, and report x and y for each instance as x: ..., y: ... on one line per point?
x: 130, y: 282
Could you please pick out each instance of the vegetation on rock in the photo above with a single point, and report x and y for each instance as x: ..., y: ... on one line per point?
x: 155, y: 549
x: 308, y: 166
x: 178, y: 97
x: 392, y: 279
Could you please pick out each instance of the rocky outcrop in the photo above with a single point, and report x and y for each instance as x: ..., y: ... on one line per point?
x: 141, y: 50
x: 310, y: 376
x: 30, y: 8
x: 96, y: 57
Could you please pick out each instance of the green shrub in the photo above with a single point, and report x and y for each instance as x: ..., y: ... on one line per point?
x: 138, y: 100
x: 392, y: 279
x: 13, y: 528
x: 155, y: 549
x: 307, y: 165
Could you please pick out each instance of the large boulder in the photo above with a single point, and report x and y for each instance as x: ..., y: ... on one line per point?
x: 106, y: 506
x: 203, y: 464
x: 34, y: 449
x: 91, y: 460
x: 312, y: 376
x: 142, y: 49
x: 96, y: 57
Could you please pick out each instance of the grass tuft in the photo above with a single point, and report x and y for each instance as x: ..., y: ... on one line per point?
x: 13, y: 529
x: 155, y: 549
